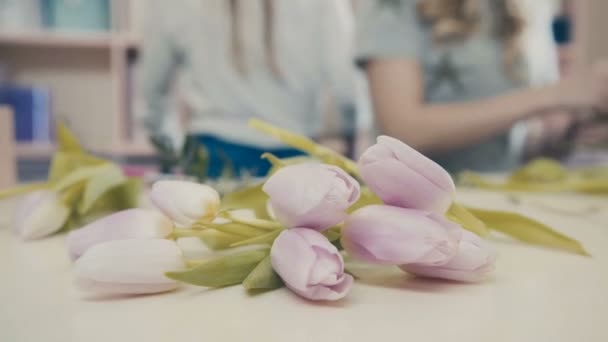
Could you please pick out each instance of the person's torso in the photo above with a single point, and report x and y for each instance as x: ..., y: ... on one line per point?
x: 470, y: 69
x: 224, y: 98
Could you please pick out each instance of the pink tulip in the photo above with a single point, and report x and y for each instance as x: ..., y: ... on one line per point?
x: 127, y: 267
x: 127, y: 224
x: 381, y: 234
x: 185, y: 202
x: 311, y: 195
x: 310, y: 265
x: 474, y: 260
x: 403, y: 177
x: 39, y: 214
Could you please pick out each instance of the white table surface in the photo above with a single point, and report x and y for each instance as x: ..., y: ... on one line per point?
x: 534, y: 295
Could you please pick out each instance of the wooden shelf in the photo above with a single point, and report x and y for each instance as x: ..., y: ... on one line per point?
x: 89, y: 40
x: 129, y: 150
x: 34, y: 150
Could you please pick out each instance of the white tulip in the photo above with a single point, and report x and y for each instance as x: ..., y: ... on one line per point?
x: 127, y: 224
x: 39, y: 214
x: 185, y: 202
x: 128, y: 267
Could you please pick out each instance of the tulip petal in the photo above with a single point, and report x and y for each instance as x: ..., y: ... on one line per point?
x: 389, y: 235
x: 185, y: 202
x: 419, y: 163
x: 292, y: 258
x: 310, y: 265
x: 127, y: 224
x: 311, y: 195
x: 302, y: 195
x: 39, y: 215
x: 128, y: 267
x: 475, y: 258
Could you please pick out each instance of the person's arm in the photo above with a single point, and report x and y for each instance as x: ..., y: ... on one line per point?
x: 159, y: 60
x: 397, y: 93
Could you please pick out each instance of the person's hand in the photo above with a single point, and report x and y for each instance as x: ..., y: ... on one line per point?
x: 586, y: 89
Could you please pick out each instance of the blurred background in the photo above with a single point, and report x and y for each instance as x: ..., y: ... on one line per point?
x: 80, y: 61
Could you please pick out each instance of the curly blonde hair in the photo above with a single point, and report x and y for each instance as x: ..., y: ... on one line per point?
x: 456, y: 19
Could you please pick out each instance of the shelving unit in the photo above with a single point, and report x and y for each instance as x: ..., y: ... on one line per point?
x: 86, y: 73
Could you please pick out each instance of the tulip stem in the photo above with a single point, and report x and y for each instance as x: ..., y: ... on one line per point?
x: 194, y: 263
x: 179, y: 233
x: 254, y: 222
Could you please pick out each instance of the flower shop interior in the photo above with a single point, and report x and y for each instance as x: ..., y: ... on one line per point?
x: 443, y: 174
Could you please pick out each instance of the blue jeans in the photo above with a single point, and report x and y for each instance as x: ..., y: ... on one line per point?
x: 240, y: 157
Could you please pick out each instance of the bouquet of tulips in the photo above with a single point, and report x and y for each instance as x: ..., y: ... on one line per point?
x: 295, y: 229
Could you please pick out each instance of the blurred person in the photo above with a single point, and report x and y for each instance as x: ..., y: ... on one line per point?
x: 449, y: 78
x: 287, y: 62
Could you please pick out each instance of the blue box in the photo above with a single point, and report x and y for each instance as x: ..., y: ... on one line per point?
x: 77, y: 15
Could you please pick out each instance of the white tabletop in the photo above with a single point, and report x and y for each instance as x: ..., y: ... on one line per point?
x: 534, y: 295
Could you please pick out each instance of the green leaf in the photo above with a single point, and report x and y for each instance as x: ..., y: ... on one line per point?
x: 221, y: 271
x: 64, y: 163
x: 72, y: 195
x: 82, y: 174
x: 527, y: 230
x: 263, y: 277
x: 307, y: 145
x: 251, y: 197
x: 267, y: 238
x: 124, y: 196
x: 217, y: 240
x: 66, y: 140
x: 467, y: 220
x: 111, y: 177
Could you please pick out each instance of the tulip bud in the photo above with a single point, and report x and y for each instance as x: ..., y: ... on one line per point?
x: 473, y: 261
x: 185, y: 202
x: 127, y: 267
x: 381, y: 234
x: 311, y: 195
x: 310, y: 265
x: 123, y: 225
x: 39, y: 214
x: 403, y: 177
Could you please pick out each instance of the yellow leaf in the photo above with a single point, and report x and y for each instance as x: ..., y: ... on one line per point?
x: 527, y: 230
x: 467, y: 220
x: 307, y: 145
x: 66, y: 140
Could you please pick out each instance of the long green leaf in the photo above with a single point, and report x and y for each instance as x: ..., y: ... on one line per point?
x: 263, y: 277
x: 527, y: 230
x: 222, y: 271
x: 467, y: 220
